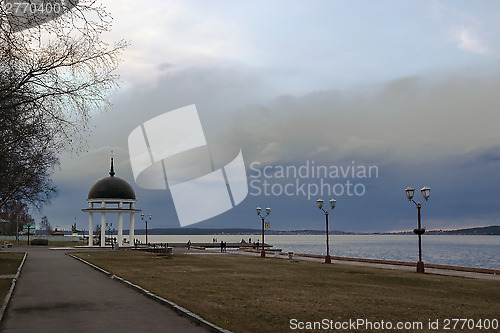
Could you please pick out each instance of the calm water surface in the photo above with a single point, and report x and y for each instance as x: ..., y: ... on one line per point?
x: 470, y: 251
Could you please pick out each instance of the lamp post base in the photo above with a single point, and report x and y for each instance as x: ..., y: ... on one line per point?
x: 262, y: 254
x: 328, y: 259
x: 420, y: 267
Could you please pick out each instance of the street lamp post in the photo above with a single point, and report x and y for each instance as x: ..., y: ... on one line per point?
x: 142, y: 218
x: 263, y: 217
x: 426, y: 192
x: 150, y: 216
x: 333, y: 202
x: 110, y: 233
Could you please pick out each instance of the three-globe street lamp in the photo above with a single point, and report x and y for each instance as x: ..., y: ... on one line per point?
x: 111, y: 232
x: 426, y: 192
x: 333, y: 202
x: 263, y: 217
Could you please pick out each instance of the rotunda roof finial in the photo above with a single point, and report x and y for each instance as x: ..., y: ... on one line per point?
x: 112, y: 171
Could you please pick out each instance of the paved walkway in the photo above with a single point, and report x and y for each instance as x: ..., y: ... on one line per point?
x: 57, y: 293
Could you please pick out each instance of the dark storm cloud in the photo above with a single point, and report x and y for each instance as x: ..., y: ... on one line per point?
x: 417, y: 130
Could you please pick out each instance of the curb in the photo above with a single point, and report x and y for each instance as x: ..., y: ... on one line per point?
x: 177, y: 308
x: 11, y: 290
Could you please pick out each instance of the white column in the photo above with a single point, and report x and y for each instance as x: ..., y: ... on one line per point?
x: 120, y: 224
x: 103, y: 229
x: 131, y: 230
x: 91, y: 227
x: 120, y: 229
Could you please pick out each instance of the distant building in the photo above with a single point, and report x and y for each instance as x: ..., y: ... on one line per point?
x: 57, y: 233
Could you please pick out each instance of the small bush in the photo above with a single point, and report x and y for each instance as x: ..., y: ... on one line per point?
x: 38, y: 241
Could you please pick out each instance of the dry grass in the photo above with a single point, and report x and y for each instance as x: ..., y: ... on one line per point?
x: 251, y: 294
x: 9, y: 263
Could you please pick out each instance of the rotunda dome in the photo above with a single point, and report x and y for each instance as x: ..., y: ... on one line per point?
x: 111, y: 188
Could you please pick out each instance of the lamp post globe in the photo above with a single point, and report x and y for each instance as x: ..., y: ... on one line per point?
x: 426, y: 192
x: 333, y: 202
x: 320, y: 203
x: 410, y: 191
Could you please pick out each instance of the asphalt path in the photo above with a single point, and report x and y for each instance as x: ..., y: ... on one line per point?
x: 56, y: 293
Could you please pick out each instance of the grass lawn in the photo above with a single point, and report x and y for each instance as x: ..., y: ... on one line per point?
x: 9, y: 263
x: 252, y: 294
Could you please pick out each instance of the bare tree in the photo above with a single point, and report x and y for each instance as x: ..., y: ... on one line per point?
x: 25, y: 161
x: 52, y: 75
x: 17, y: 215
x: 45, y: 224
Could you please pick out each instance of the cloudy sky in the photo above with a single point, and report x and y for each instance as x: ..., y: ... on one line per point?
x: 409, y: 88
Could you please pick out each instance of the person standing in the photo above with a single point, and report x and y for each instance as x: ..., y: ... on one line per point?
x: 189, y: 244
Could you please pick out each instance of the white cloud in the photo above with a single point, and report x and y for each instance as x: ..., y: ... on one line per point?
x: 469, y: 41
x: 470, y: 27
x: 180, y: 33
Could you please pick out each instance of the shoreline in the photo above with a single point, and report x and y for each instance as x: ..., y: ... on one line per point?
x: 393, y: 262
x: 271, y: 249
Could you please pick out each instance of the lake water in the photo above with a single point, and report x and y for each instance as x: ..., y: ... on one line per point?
x: 459, y: 250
